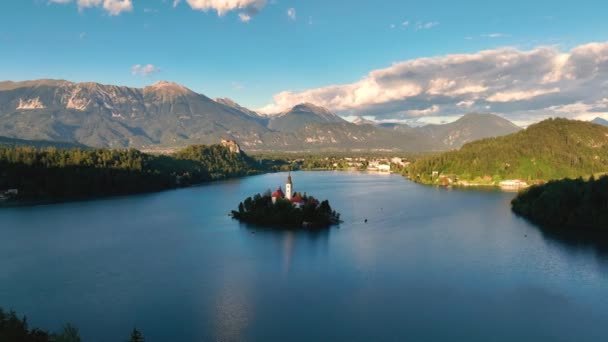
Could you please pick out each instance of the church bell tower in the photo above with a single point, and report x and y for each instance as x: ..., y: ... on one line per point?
x: 288, y: 187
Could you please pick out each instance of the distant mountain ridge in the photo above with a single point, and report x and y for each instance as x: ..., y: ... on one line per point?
x: 169, y: 115
x: 600, y: 121
x: 470, y: 127
x: 300, y: 116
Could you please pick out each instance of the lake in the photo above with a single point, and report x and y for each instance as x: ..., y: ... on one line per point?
x: 430, y: 264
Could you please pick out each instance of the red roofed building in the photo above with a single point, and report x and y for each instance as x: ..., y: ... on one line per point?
x: 289, y: 194
x: 297, y: 201
x: 277, y: 194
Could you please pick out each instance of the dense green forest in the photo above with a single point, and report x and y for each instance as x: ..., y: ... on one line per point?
x: 260, y: 210
x: 52, y: 174
x: 15, y: 329
x: 575, y: 204
x: 219, y: 161
x: 551, y: 149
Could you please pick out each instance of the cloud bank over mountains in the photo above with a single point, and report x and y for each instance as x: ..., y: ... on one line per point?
x: 247, y: 8
x: 525, y: 86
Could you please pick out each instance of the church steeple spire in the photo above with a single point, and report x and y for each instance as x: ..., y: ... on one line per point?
x: 289, y: 187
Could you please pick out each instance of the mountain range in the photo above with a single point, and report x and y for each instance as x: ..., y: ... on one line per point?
x: 168, y: 115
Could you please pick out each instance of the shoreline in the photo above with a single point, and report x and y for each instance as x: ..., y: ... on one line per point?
x: 22, y: 203
x: 16, y: 203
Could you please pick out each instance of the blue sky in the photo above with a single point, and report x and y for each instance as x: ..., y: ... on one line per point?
x: 325, y: 43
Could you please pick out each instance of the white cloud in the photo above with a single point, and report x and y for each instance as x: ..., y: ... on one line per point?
x: 522, y: 85
x: 517, y: 95
x: 584, y: 111
x: 426, y: 25
x: 422, y: 112
x: 244, y: 17
x: 144, y: 70
x: 176, y: 3
x: 467, y: 104
x: 405, y: 23
x: 222, y: 7
x: 495, y: 35
x: 291, y: 13
x: 113, y: 7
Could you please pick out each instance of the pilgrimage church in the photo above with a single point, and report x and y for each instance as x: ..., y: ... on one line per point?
x: 288, y: 195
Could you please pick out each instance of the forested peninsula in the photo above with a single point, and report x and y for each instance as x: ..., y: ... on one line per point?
x: 573, y: 204
x: 51, y: 174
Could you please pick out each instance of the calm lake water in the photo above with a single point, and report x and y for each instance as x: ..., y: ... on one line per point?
x: 430, y: 264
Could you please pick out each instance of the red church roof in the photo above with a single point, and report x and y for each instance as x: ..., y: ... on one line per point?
x: 279, y: 193
x: 297, y: 199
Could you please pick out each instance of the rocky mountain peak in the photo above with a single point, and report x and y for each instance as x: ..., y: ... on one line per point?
x: 234, y: 105
x: 167, y: 88
x: 362, y: 121
x: 309, y: 107
x: 227, y: 101
x: 600, y: 121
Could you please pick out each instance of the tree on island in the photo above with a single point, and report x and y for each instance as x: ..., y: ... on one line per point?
x: 136, y: 336
x: 68, y: 334
x: 261, y: 210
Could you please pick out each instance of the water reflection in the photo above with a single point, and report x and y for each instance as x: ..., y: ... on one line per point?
x: 233, y: 309
x: 310, y: 241
x: 578, y: 241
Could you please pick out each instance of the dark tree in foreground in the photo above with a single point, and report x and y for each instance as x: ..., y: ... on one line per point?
x: 136, y: 336
x: 12, y: 328
x: 68, y: 334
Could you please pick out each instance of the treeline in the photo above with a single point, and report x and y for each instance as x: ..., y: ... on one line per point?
x: 15, y: 329
x: 567, y: 203
x: 552, y: 149
x: 54, y: 174
x: 219, y: 161
x: 260, y: 210
x: 13, y: 142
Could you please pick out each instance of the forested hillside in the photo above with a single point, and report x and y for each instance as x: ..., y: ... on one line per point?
x: 55, y: 174
x: 219, y: 160
x: 552, y: 149
x: 575, y: 204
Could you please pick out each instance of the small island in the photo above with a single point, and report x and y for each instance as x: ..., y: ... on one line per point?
x: 287, y: 209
